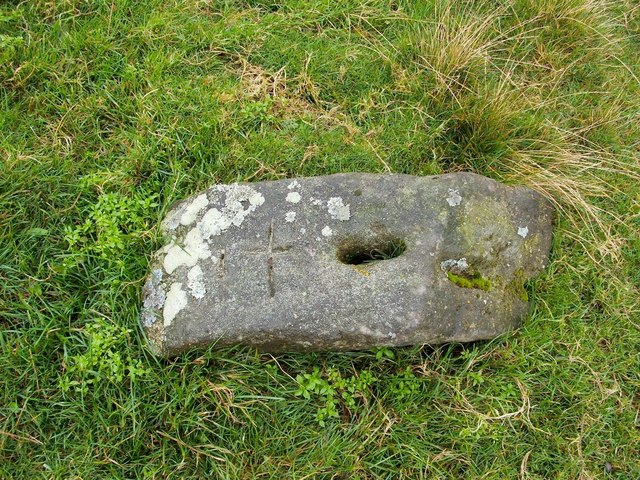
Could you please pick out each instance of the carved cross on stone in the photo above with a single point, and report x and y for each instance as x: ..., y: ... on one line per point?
x: 270, y: 250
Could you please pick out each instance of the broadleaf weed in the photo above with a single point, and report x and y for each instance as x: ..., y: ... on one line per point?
x: 106, y: 359
x: 115, y: 222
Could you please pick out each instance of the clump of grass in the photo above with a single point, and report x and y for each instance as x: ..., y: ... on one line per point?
x: 450, y: 45
x: 504, y: 106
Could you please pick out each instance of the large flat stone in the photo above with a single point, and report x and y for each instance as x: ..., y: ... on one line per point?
x: 345, y: 262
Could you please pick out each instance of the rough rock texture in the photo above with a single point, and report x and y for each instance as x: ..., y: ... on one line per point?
x: 345, y: 262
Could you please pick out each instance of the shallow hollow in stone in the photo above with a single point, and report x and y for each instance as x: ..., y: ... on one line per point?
x: 358, y: 251
x: 345, y: 262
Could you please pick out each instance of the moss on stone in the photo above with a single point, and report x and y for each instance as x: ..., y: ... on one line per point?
x: 470, y: 281
x: 516, y: 286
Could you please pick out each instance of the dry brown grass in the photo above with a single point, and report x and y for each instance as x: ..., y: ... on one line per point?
x: 463, y: 50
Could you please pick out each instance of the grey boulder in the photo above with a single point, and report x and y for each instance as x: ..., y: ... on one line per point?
x: 345, y: 262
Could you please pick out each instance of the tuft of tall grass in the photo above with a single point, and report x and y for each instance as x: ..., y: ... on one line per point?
x: 509, y: 81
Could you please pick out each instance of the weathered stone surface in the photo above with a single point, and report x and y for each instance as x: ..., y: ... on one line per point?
x: 304, y: 264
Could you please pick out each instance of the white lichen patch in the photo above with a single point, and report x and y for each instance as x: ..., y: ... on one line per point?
x: 176, y: 301
x: 460, y: 265
x: 154, y: 298
x: 327, y: 232
x: 235, y: 195
x: 196, y: 282
x: 303, y: 231
x: 256, y: 199
x: 364, y: 330
x: 293, y: 197
x: 193, y: 249
x: 290, y: 216
x: 172, y: 221
x: 148, y: 317
x: 192, y: 210
x: 523, y: 231
x: 293, y: 185
x: 316, y: 202
x: 213, y: 222
x: 156, y: 276
x: 454, y: 199
x: 337, y: 209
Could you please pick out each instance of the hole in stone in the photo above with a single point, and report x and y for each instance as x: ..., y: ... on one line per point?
x: 358, y: 253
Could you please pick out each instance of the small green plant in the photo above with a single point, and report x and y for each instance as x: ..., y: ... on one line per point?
x: 254, y: 115
x: 383, y: 353
x: 113, y: 224
x: 9, y: 46
x: 335, y: 392
x: 340, y: 395
x: 476, y: 378
x: 104, y: 360
x: 404, y: 384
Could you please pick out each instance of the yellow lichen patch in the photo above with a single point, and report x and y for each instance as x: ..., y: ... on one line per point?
x: 363, y: 269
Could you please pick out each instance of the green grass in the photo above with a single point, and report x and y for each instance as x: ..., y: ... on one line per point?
x: 112, y: 110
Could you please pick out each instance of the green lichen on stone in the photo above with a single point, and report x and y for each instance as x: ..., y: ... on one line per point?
x: 483, y: 213
x: 524, y: 296
x: 483, y: 222
x: 470, y: 281
x: 516, y: 286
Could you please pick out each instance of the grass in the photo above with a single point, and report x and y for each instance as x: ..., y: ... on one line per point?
x: 111, y: 111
